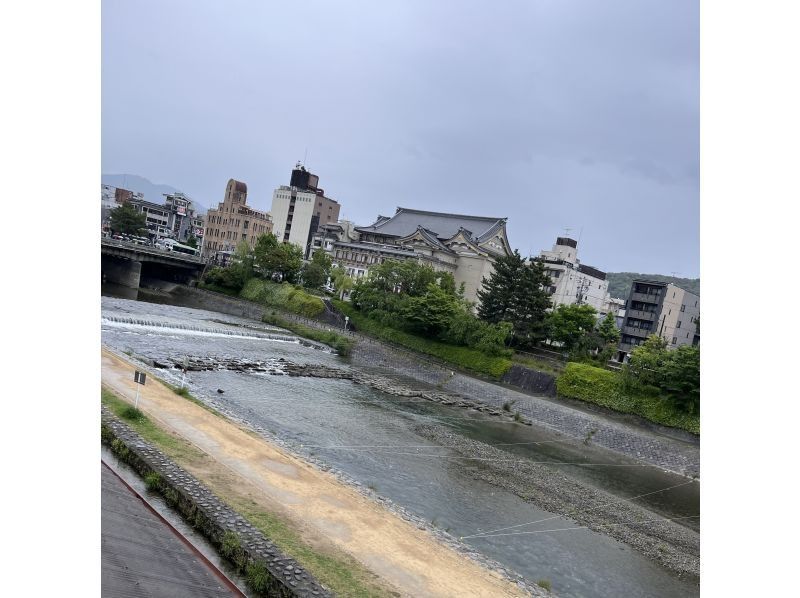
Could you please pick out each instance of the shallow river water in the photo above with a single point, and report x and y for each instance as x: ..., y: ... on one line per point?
x: 371, y: 436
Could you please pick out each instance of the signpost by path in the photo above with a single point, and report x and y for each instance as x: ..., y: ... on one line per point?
x: 139, y: 378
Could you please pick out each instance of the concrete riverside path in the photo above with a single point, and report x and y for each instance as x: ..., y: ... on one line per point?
x: 142, y: 556
x: 323, y: 508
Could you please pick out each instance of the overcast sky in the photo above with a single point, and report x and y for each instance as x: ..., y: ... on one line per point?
x: 553, y: 113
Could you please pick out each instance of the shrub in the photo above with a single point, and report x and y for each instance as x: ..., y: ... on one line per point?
x: 132, y: 414
x: 152, y: 481
x: 258, y: 577
x: 283, y: 296
x: 603, y: 387
x: 231, y: 549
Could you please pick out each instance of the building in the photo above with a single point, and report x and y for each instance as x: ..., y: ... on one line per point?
x: 330, y: 233
x: 174, y: 219
x: 660, y: 308
x: 111, y: 198
x: 184, y: 221
x: 300, y: 208
x: 158, y: 218
x: 463, y: 245
x: 574, y: 282
x: 232, y: 222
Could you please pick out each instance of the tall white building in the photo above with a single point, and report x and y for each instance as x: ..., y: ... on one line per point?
x: 298, y: 209
x: 572, y: 281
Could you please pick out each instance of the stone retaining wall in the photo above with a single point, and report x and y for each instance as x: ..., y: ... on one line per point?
x: 233, y: 306
x: 209, y: 515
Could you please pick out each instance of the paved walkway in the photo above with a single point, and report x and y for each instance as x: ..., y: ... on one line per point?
x: 142, y: 557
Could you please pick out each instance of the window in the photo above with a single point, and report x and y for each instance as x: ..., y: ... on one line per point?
x: 683, y: 308
x: 674, y: 340
x: 679, y: 324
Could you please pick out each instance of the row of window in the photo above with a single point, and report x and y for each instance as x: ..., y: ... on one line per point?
x: 358, y: 257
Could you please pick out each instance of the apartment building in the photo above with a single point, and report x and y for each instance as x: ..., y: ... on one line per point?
x: 660, y: 308
x: 298, y: 209
x: 232, y: 222
x: 572, y: 281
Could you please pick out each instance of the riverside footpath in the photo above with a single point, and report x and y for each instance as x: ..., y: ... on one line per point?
x: 628, y: 439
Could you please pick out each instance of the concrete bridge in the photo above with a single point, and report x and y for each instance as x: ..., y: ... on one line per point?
x: 126, y: 264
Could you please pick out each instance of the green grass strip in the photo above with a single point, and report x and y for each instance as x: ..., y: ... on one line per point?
x: 342, y: 344
x: 460, y: 357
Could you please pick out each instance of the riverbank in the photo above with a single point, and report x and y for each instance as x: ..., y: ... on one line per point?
x: 326, y: 512
x: 670, y: 544
x: 619, y: 434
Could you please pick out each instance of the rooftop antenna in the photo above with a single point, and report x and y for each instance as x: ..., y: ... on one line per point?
x: 580, y: 234
x: 674, y: 274
x: 566, y: 231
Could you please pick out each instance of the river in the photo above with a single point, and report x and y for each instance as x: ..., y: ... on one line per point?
x: 371, y: 437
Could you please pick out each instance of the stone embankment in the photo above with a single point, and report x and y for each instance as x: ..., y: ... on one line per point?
x: 675, y: 547
x: 628, y: 439
x: 249, y: 548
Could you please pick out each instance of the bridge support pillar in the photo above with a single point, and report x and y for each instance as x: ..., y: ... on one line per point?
x: 126, y: 273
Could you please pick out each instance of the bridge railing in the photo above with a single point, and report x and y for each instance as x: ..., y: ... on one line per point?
x: 151, y: 249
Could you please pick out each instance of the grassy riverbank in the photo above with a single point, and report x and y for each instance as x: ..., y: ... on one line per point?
x: 283, y: 296
x: 603, y: 387
x: 460, y: 357
x: 337, y: 570
x: 342, y: 344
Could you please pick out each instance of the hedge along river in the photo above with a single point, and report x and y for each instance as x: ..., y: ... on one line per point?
x: 321, y: 413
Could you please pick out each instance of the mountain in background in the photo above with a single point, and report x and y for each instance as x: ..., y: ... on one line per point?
x: 619, y: 283
x: 151, y: 191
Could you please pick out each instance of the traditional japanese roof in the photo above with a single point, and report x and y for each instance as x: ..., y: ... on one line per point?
x: 426, y: 236
x: 443, y: 226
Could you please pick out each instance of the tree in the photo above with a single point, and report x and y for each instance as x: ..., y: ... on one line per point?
x: 127, y: 221
x: 274, y: 260
x: 571, y: 325
x: 341, y: 281
x: 241, y: 268
x: 315, y: 273
x: 192, y: 241
x: 681, y: 377
x: 675, y: 372
x: 607, y: 329
x: 517, y: 292
x: 430, y: 313
x: 646, y: 360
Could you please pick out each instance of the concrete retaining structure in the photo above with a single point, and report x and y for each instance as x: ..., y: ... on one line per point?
x: 208, y: 514
x: 121, y: 271
x: 530, y: 380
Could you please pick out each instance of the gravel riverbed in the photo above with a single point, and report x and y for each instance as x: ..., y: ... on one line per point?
x: 675, y: 547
